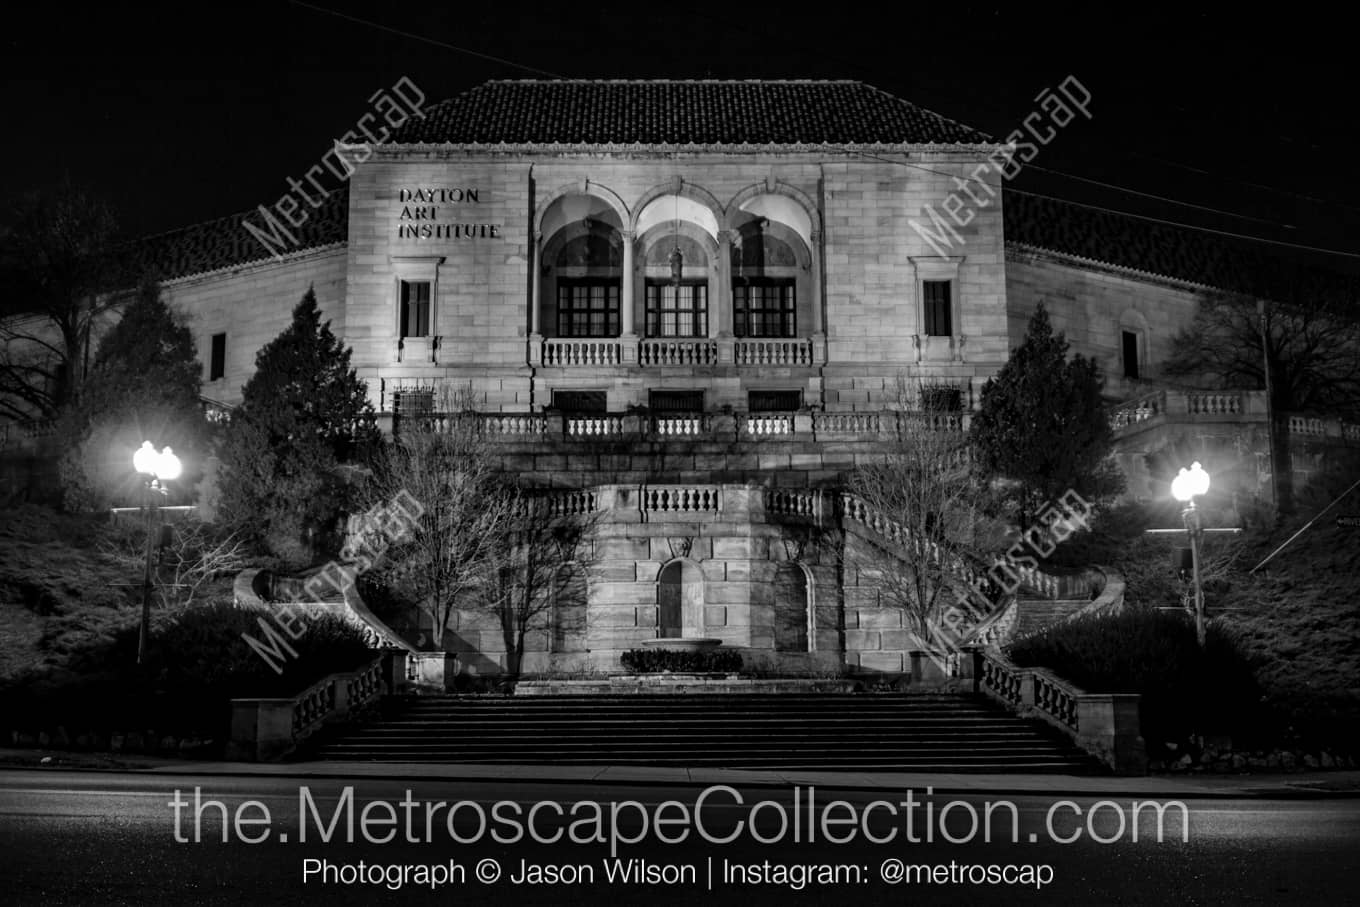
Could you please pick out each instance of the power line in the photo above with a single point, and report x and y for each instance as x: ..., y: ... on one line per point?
x: 405, y: 34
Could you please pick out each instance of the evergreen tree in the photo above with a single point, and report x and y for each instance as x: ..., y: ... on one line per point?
x: 303, y: 413
x: 1042, y: 425
x: 143, y: 386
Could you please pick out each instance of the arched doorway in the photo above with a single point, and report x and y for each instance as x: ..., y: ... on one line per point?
x: 680, y: 601
x: 792, y: 609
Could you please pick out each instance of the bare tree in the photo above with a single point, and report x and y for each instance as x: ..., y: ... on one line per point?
x: 59, y: 276
x: 1313, y: 351
x: 466, y: 510
x: 193, y: 555
x: 530, y: 579
x: 929, y: 508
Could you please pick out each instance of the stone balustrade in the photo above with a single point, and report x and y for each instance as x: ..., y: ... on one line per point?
x: 1104, y: 724
x: 268, y: 729
x: 674, y: 500
x: 796, y: 503
x: 774, y: 352
x: 677, y: 352
x: 560, y: 353
x: 764, y: 425
x: 1249, y: 406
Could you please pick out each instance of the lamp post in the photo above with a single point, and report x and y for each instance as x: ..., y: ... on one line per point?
x: 156, y: 469
x: 1188, y: 485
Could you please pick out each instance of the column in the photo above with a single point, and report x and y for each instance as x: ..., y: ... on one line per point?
x: 535, y: 280
x: 724, y: 269
x: 629, y: 279
x: 818, y: 324
x: 628, y: 336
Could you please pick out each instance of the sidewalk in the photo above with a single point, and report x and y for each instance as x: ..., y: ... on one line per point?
x: 1264, y: 786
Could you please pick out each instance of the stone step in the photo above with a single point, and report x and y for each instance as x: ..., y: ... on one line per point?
x: 955, y: 732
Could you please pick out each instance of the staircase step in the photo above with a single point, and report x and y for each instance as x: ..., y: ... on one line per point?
x: 830, y: 731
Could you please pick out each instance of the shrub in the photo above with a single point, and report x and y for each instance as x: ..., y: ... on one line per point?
x: 196, y: 664
x: 1185, y: 690
x: 689, y: 661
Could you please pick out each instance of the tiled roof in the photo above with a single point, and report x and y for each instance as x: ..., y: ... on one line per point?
x: 670, y: 113
x: 1161, y: 250
x: 225, y: 243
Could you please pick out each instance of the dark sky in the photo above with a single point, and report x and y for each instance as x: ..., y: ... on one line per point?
x: 178, y: 114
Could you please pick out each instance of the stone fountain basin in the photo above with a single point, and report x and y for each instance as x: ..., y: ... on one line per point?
x: 682, y: 643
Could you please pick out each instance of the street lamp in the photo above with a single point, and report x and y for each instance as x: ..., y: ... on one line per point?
x: 156, y: 469
x: 1188, y: 485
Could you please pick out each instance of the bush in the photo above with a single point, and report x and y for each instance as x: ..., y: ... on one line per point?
x: 687, y: 661
x: 1154, y: 653
x: 197, y: 663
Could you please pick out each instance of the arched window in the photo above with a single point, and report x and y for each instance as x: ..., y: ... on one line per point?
x: 792, y: 609
x: 680, y: 600
x: 569, y: 607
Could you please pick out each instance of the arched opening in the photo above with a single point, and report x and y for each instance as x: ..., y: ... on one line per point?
x: 772, y: 292
x: 680, y: 601
x: 569, y: 609
x: 582, y: 265
x: 792, y: 609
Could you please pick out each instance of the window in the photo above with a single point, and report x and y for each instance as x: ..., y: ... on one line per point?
x: 676, y: 401
x: 587, y: 308
x: 1130, y: 354
x: 677, y: 311
x: 415, y: 308
x: 217, y: 362
x: 774, y: 401
x: 764, y: 308
x: 580, y: 401
x: 941, y: 398
x: 937, y: 308
x: 411, y: 408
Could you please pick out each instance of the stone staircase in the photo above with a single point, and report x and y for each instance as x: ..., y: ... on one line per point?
x: 851, y: 732
x: 1037, y: 613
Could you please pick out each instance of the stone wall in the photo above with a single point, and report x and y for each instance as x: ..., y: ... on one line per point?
x: 252, y: 305
x: 1093, y: 306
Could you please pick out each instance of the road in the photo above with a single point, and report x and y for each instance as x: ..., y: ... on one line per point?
x: 92, y: 838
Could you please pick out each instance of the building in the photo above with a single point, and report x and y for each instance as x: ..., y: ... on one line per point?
x: 694, y: 303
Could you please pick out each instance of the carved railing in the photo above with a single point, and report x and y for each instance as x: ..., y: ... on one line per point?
x: 677, y: 352
x: 764, y: 425
x: 601, y: 426
x: 870, y: 424
x: 794, y: 503
x: 1214, y: 404
x: 697, y: 425
x: 263, y: 729
x: 1304, y: 425
x: 1106, y: 725
x: 681, y: 499
x: 773, y: 352
x: 565, y: 353
x: 1138, y: 410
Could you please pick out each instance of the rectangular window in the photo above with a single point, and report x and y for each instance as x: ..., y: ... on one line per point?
x: 217, y: 362
x: 774, y: 401
x: 415, y: 308
x: 764, y: 308
x: 580, y: 401
x: 411, y: 409
x: 587, y: 308
x: 1130, y: 354
x: 677, y: 311
x: 938, y: 316
x: 941, y: 398
x: 676, y: 401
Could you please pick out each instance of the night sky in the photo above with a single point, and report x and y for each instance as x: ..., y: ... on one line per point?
x: 181, y: 114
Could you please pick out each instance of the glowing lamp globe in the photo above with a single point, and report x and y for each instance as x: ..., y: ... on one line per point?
x: 168, y: 465
x: 1190, y: 483
x: 144, y: 460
